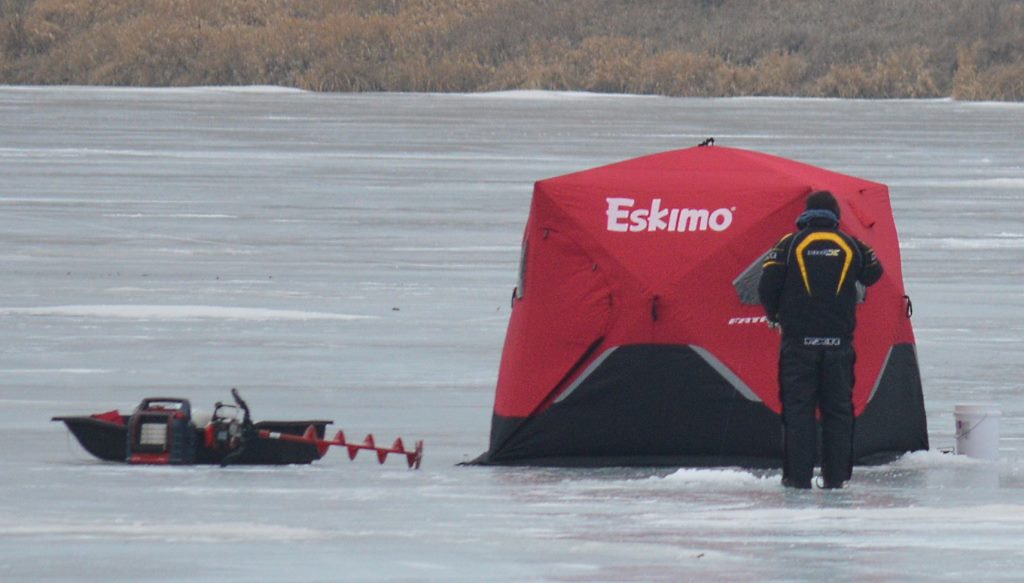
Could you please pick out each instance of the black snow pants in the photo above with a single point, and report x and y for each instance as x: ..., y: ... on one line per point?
x: 812, y: 378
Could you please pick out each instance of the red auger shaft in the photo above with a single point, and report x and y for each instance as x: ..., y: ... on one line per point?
x: 413, y: 457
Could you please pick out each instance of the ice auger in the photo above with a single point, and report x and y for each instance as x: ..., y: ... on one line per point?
x: 413, y: 457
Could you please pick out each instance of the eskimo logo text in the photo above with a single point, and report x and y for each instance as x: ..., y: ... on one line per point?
x: 622, y: 217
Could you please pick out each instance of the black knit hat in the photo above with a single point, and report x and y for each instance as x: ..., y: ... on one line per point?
x: 823, y: 200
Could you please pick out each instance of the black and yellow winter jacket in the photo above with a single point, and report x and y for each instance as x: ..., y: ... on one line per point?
x: 808, y: 280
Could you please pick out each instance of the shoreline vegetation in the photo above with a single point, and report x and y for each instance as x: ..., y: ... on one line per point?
x: 964, y: 49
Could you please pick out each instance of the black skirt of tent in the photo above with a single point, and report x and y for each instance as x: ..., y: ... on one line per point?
x: 893, y: 422
x: 665, y: 405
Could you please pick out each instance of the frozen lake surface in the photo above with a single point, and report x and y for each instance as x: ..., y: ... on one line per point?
x: 351, y: 257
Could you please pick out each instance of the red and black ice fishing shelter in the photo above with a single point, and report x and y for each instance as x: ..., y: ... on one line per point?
x: 636, y: 336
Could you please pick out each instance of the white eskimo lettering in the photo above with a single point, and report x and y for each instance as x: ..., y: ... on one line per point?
x: 656, y: 223
x: 693, y: 220
x: 639, y: 219
x: 623, y: 217
x: 616, y: 213
x: 720, y: 220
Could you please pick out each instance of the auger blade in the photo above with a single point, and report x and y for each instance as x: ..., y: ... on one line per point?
x: 417, y: 456
x: 309, y: 436
x: 321, y: 445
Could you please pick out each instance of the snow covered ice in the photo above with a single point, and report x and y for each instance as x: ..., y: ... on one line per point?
x: 351, y: 257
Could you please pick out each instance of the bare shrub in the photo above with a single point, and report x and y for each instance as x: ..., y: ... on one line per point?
x: 901, y: 74
x: 779, y: 73
x: 610, y: 64
x: 989, y: 71
x: 971, y: 49
x: 1003, y: 83
x: 904, y: 73
x: 690, y: 74
x: 25, y: 35
x: 847, y: 81
x: 966, y: 84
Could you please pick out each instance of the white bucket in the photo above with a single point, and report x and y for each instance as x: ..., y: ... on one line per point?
x: 977, y: 430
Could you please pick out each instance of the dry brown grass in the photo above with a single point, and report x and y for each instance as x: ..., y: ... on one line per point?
x: 970, y: 49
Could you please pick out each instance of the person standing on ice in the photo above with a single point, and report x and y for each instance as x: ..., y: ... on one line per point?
x: 808, y: 288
